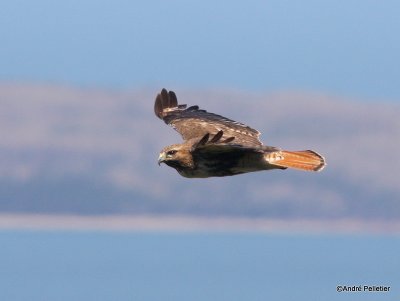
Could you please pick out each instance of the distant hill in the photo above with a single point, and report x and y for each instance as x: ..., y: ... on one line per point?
x: 93, y: 151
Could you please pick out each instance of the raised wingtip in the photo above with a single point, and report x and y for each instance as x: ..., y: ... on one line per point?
x: 166, y: 101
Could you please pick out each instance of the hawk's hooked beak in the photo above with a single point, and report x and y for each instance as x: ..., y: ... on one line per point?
x: 161, y: 158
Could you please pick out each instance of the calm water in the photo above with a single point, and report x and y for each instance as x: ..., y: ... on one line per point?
x: 45, y: 265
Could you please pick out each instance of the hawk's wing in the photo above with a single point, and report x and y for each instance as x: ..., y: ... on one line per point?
x: 192, y: 122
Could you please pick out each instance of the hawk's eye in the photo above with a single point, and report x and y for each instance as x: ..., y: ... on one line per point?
x: 171, y: 152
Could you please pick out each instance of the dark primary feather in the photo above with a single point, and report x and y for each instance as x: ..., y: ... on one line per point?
x: 217, y: 137
x: 202, y: 141
x: 195, y: 123
x: 215, y: 140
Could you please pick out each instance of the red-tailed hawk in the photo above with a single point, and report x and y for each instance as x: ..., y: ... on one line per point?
x: 216, y: 146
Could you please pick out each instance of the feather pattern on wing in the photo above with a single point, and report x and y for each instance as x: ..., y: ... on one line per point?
x: 192, y: 122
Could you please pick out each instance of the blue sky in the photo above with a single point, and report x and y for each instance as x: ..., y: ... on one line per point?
x: 349, y: 48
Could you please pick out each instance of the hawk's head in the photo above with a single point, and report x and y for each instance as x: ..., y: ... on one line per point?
x: 177, y: 156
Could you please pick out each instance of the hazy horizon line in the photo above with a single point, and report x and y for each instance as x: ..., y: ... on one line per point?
x: 191, y: 223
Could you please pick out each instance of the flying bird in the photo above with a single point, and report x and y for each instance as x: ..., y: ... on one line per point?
x: 215, y: 146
